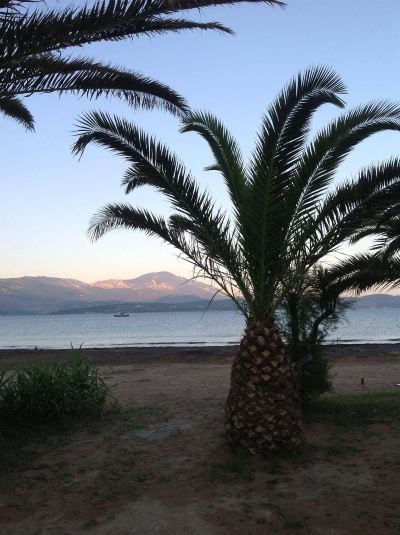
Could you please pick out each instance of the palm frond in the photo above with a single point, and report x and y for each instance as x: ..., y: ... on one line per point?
x: 47, y: 74
x: 385, y: 231
x: 48, y: 30
x: 283, y: 133
x: 346, y: 211
x: 14, y: 108
x: 365, y: 272
x: 153, y: 165
x: 316, y: 168
x: 117, y: 216
x: 227, y: 154
x: 286, y: 124
x: 167, y: 7
x: 12, y: 9
x: 32, y: 43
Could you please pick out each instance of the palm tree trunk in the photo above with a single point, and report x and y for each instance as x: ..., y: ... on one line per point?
x: 263, y: 411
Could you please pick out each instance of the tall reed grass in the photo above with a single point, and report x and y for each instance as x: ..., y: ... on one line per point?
x: 52, y: 392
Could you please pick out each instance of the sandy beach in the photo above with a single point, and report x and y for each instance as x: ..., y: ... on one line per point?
x: 378, y: 364
x: 161, y: 466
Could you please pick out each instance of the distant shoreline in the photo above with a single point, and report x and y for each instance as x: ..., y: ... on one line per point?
x: 186, y: 346
x: 9, y: 358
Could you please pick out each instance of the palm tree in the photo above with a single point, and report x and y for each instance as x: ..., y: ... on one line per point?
x: 282, y: 222
x: 33, y: 44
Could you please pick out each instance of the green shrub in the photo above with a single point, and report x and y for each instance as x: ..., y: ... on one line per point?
x: 39, y: 394
x: 315, y: 378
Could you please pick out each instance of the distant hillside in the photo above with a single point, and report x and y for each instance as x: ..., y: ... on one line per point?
x: 377, y: 301
x: 47, y: 295
x: 43, y: 295
x: 155, y: 306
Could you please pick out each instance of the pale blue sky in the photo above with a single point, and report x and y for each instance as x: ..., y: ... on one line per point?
x: 47, y: 195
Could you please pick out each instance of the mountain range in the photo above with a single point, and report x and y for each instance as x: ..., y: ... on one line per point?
x: 161, y: 291
x: 43, y: 295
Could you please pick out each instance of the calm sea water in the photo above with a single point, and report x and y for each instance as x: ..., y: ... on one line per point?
x: 178, y: 328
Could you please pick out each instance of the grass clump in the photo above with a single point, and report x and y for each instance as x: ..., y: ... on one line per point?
x: 51, y: 393
x: 355, y: 409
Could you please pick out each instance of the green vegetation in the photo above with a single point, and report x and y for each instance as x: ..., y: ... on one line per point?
x: 315, y: 377
x: 355, y: 409
x: 51, y: 393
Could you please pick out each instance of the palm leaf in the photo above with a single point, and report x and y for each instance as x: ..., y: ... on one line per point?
x: 365, y: 272
x: 280, y: 142
x: 32, y: 43
x: 317, y: 166
x: 153, y: 165
x: 48, y: 74
x: 13, y: 107
x: 348, y: 209
x: 227, y: 154
x: 46, y: 31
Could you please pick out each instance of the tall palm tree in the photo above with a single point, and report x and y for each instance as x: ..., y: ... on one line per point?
x: 33, y: 45
x: 282, y: 221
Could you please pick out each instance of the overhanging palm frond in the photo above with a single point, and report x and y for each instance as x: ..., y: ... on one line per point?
x: 32, y: 43
x: 14, y: 108
x: 167, y: 7
x: 365, y: 272
x: 46, y: 31
x: 384, y: 226
x: 11, y: 9
x: 48, y: 74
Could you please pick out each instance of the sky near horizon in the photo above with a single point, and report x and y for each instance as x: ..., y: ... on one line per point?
x: 48, y: 196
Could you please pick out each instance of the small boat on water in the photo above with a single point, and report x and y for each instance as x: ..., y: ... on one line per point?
x: 121, y: 315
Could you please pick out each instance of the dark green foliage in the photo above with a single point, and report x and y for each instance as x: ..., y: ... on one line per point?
x: 51, y: 393
x: 315, y: 378
x: 355, y: 409
x: 309, y: 316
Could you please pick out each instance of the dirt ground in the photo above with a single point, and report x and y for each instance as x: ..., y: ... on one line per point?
x: 161, y: 465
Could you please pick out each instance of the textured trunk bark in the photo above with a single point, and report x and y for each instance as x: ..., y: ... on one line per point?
x: 263, y: 411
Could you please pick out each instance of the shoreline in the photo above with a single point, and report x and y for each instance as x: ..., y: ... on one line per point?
x: 10, y: 358
x: 186, y: 346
